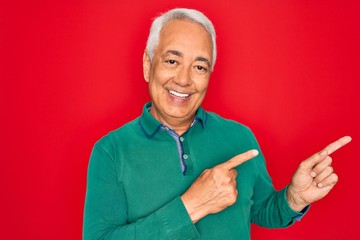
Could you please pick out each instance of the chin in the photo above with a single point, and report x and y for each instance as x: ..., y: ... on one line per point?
x: 176, y: 111
x: 178, y: 114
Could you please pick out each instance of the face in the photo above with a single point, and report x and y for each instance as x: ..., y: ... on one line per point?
x: 179, y: 72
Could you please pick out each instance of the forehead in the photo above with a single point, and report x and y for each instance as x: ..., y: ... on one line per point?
x: 184, y: 35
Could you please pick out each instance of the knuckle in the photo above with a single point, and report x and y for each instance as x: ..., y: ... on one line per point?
x: 234, y: 161
x: 235, y: 192
x: 233, y: 197
x: 317, y: 179
x: 206, y: 172
x: 232, y: 200
x: 317, y: 156
x: 226, y: 179
x: 235, y: 173
x: 216, y: 170
x: 332, y: 147
x: 303, y: 165
x: 233, y: 185
x: 240, y: 158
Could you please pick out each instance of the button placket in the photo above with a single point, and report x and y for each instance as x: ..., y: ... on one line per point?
x: 186, y: 155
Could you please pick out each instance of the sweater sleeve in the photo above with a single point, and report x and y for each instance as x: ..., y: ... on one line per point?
x: 270, y: 208
x: 105, y: 213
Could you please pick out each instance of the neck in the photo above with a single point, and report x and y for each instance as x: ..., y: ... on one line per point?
x: 178, y: 125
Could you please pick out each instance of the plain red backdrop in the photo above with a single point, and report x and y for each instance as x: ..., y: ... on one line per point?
x: 72, y: 71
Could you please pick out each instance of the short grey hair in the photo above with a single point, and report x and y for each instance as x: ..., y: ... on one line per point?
x: 180, y: 14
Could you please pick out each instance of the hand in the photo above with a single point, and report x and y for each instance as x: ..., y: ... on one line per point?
x: 215, y: 189
x: 314, y: 178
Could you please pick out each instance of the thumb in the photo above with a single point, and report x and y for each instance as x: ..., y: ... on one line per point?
x: 239, y: 159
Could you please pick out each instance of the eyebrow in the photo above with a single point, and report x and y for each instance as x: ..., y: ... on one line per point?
x: 175, y: 52
x: 179, y: 54
x: 202, y: 59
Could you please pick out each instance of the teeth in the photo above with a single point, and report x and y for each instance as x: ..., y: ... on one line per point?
x: 177, y: 94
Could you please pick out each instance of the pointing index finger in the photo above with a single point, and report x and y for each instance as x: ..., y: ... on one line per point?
x: 332, y: 147
x: 329, y: 149
x: 239, y: 159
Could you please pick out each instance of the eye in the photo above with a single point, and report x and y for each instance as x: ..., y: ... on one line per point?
x: 171, y: 62
x: 201, y: 69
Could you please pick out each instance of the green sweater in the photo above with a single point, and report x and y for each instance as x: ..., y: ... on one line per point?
x: 138, y: 172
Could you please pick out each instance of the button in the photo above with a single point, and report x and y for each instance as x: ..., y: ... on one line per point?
x: 185, y: 156
x: 182, y: 139
x: 166, y: 128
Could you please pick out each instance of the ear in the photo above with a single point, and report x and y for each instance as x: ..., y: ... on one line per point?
x: 146, y: 66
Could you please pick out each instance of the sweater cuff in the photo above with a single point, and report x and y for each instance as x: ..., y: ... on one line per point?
x: 177, y: 221
x: 287, y: 211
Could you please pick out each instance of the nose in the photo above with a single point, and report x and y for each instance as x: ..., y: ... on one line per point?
x: 183, y: 77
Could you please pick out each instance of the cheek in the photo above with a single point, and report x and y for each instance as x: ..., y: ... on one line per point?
x: 202, y: 85
x: 162, y: 75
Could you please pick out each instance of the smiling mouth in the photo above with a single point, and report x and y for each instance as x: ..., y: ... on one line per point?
x: 179, y: 95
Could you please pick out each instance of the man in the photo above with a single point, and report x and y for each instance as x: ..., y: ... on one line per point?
x: 178, y: 172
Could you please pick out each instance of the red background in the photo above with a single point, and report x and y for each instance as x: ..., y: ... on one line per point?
x: 72, y: 71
